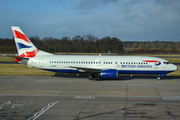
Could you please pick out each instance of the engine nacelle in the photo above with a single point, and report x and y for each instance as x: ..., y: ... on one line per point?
x: 111, y: 73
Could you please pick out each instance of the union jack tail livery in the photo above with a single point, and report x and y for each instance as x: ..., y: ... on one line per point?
x: 24, y: 46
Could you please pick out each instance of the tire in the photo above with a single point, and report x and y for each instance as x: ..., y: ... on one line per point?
x: 90, y: 78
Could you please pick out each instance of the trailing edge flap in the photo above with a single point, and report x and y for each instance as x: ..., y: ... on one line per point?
x: 87, y: 69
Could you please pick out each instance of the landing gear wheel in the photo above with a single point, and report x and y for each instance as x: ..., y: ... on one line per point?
x: 93, y: 75
x: 158, y: 78
x: 90, y: 77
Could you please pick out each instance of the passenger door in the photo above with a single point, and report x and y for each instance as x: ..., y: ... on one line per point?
x: 41, y: 62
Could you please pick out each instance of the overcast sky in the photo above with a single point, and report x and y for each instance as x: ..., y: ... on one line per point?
x: 129, y: 20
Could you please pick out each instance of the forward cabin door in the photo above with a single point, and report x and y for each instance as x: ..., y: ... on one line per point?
x: 41, y: 62
x: 156, y: 66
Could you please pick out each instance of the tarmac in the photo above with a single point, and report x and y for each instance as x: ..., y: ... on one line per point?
x: 77, y: 98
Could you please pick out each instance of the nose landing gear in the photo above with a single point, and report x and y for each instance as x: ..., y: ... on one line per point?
x: 160, y: 75
x: 158, y: 78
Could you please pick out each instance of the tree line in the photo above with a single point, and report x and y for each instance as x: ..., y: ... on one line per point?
x: 91, y: 44
x: 78, y: 44
x: 152, y: 47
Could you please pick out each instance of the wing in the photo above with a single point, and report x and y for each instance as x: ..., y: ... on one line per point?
x: 88, y: 70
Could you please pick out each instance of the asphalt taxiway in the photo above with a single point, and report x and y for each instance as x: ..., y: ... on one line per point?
x: 77, y: 98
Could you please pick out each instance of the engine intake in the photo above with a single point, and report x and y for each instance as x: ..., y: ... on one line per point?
x: 111, y: 73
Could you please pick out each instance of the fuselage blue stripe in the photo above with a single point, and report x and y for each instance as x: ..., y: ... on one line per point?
x: 119, y: 71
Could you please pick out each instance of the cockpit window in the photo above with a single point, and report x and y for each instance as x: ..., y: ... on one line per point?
x: 166, y: 63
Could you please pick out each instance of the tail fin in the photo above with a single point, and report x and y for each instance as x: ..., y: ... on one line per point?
x: 24, y: 46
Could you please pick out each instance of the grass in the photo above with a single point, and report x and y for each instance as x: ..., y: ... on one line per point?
x: 165, y: 55
x: 173, y: 60
x: 20, y: 69
x: 7, y: 59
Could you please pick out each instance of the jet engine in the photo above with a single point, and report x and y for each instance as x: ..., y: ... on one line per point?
x: 110, y: 73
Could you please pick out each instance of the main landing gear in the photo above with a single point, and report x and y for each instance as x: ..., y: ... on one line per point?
x: 91, y: 77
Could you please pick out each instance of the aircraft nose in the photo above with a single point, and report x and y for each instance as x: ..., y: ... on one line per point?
x: 175, y: 67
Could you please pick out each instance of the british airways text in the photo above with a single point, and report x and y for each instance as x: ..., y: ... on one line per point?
x: 136, y: 66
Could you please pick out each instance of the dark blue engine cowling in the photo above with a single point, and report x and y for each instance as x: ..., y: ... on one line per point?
x: 111, y: 73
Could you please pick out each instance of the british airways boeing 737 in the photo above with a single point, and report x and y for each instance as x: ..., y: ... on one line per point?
x: 106, y: 66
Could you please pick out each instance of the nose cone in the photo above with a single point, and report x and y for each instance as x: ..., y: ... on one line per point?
x: 175, y: 67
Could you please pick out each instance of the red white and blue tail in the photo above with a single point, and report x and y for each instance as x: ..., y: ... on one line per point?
x: 24, y: 46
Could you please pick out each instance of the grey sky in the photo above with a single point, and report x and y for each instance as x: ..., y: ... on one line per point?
x: 129, y: 20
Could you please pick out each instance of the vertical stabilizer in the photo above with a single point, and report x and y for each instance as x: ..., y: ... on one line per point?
x: 24, y: 46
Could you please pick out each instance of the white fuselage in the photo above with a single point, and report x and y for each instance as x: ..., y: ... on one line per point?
x: 81, y: 63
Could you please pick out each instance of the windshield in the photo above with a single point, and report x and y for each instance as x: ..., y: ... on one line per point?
x: 167, y: 63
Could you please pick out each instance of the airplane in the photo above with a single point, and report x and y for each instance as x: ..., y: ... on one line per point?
x: 106, y: 66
